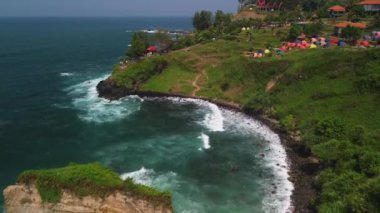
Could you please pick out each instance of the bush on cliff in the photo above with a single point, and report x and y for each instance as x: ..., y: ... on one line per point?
x: 138, y: 73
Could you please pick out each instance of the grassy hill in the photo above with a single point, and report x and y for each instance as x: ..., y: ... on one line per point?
x: 328, y: 98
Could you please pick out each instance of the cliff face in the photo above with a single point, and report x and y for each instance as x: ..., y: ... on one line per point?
x: 23, y: 198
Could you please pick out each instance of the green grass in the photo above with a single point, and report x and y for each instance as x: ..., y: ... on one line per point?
x: 87, y: 180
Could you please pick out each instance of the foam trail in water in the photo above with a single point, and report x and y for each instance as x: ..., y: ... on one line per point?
x: 66, y: 74
x: 206, y: 141
x: 98, y: 110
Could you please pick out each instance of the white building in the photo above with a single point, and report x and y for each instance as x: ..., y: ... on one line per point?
x: 370, y: 5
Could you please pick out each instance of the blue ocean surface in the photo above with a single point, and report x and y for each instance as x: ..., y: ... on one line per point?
x: 211, y: 159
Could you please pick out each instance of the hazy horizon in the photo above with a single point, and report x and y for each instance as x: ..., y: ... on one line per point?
x: 110, y: 8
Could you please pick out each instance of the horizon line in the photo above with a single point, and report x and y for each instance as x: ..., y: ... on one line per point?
x: 134, y: 16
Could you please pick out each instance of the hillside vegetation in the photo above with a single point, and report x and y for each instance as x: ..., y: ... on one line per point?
x: 329, y: 97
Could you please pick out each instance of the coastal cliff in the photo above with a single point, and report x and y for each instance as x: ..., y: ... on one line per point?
x: 82, y: 188
x: 25, y: 198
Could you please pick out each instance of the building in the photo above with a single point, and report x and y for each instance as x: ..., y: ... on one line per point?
x: 340, y: 26
x: 370, y: 5
x: 336, y: 10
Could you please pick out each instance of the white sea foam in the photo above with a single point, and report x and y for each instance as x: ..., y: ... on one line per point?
x: 142, y: 176
x: 66, y: 74
x: 94, y: 109
x: 149, y: 177
x: 275, y: 160
x: 213, y: 119
x: 206, y: 141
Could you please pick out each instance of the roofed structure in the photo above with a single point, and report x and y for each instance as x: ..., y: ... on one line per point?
x: 337, y: 8
x: 370, y: 5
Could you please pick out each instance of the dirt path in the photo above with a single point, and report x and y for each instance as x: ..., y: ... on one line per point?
x: 201, y: 72
x: 195, y: 85
x: 272, y: 83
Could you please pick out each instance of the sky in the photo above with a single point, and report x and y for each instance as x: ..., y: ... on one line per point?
x: 112, y: 7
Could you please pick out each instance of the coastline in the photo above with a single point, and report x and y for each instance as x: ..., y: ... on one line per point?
x: 302, y: 166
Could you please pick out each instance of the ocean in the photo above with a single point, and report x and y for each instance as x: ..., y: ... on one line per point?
x: 210, y: 158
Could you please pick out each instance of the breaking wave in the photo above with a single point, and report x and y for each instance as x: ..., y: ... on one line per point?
x: 164, y: 181
x: 94, y: 109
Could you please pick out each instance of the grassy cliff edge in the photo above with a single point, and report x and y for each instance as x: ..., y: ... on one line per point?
x: 87, y: 180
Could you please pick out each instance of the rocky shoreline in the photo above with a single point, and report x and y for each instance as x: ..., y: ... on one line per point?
x: 303, y: 166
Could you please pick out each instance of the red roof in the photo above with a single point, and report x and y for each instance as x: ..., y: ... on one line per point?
x: 352, y: 24
x: 369, y: 2
x: 337, y: 8
x: 152, y: 49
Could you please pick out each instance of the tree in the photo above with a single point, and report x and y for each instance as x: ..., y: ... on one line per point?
x: 352, y: 34
x: 295, y: 31
x: 162, y: 41
x: 202, y: 20
x: 375, y: 22
x: 139, y: 45
x: 356, y: 12
x: 222, y: 20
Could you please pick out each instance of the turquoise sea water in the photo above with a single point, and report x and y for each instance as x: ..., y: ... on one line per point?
x: 50, y: 115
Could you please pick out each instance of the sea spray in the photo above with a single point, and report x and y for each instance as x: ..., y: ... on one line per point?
x: 94, y: 109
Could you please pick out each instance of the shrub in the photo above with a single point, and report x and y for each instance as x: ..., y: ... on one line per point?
x: 313, y: 29
x: 334, y: 150
x: 289, y: 123
x: 331, y: 128
x: 294, y: 31
x: 369, y: 83
x: 141, y: 72
x: 351, y: 33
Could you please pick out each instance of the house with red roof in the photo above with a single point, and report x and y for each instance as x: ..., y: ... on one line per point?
x: 370, y: 5
x: 336, y: 10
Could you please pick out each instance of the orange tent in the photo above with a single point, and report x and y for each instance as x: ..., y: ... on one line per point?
x: 337, y: 8
x: 352, y: 24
